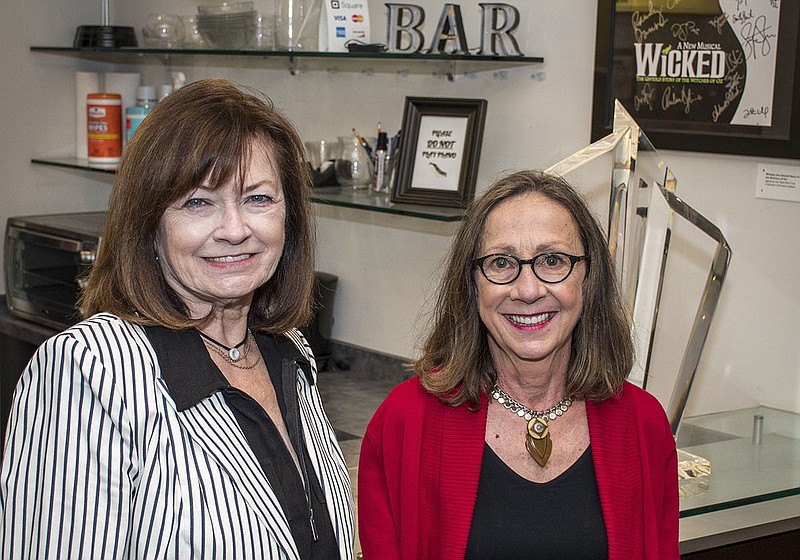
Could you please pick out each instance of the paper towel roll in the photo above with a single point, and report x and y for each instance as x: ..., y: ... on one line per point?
x: 85, y: 83
x: 125, y: 84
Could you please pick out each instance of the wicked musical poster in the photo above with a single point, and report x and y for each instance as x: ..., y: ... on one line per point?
x: 699, y: 67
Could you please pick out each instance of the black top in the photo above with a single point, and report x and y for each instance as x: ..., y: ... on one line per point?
x: 515, y: 518
x: 194, y: 377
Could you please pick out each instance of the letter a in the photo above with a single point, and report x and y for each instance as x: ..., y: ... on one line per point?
x: 450, y: 29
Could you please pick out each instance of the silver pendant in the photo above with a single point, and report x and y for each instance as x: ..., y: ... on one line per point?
x: 234, y: 354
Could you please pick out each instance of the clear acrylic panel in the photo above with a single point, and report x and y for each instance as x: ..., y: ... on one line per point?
x: 670, y: 260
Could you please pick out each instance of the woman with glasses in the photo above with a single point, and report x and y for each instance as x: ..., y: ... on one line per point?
x: 519, y: 436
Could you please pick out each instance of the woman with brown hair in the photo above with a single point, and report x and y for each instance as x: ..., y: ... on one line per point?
x: 181, y: 418
x: 519, y: 436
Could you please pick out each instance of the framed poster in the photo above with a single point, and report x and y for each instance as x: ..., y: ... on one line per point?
x: 702, y: 75
x: 440, y: 150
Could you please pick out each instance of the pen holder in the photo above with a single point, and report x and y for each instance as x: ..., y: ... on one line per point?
x: 353, y: 167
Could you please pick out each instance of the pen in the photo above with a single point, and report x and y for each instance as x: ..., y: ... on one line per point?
x: 394, y: 144
x: 363, y: 142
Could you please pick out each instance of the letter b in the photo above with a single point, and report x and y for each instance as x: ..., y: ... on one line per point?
x: 396, y: 28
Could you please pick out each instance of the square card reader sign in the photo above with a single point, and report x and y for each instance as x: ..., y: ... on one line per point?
x: 343, y: 21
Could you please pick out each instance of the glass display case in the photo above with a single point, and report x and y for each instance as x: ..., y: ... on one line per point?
x: 754, y: 455
x: 748, y: 505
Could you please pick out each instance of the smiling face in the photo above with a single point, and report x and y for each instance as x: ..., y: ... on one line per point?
x: 530, y: 322
x: 216, y: 246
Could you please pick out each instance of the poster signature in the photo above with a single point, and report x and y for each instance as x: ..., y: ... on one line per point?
x: 685, y: 97
x: 719, y: 22
x: 681, y: 30
x: 646, y: 23
x: 645, y: 97
x: 757, y: 37
x: 755, y: 112
x: 733, y: 89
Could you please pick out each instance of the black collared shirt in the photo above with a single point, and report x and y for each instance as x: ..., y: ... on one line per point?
x: 192, y: 376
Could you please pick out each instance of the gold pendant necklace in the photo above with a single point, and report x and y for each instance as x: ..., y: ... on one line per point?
x: 537, y: 438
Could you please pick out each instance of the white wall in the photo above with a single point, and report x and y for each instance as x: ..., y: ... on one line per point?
x: 387, y: 264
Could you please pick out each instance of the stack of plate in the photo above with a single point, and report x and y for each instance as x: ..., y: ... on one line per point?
x: 227, y: 25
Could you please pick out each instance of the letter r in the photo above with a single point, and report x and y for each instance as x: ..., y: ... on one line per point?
x: 497, y: 37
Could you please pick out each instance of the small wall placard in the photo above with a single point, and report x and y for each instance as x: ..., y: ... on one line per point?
x: 341, y: 22
x: 439, y: 151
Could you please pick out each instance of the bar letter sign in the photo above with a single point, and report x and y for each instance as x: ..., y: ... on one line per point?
x: 498, y: 21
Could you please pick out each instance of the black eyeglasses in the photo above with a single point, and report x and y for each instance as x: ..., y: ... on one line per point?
x: 550, y: 268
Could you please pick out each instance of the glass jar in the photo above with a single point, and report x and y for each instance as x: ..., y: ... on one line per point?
x: 297, y: 25
x: 353, y: 166
x: 163, y: 31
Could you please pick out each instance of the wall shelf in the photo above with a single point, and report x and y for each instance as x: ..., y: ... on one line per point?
x: 366, y: 200
x: 75, y: 163
x: 449, y: 65
x: 298, y: 61
x: 332, y: 196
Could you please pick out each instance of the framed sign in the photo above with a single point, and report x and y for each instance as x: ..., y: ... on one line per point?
x: 702, y: 75
x: 440, y: 150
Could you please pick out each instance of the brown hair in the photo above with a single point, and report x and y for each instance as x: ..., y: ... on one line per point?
x: 206, y: 130
x: 457, y: 346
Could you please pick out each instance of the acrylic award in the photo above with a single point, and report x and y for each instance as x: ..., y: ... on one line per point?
x: 670, y: 262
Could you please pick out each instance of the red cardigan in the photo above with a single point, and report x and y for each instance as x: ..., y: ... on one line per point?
x: 420, y: 464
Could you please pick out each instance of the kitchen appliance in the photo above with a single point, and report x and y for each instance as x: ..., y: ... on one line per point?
x: 47, y: 259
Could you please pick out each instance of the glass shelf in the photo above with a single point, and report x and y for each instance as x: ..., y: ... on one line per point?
x: 369, y: 62
x: 75, y: 163
x: 366, y: 200
x: 748, y: 465
x: 333, y: 196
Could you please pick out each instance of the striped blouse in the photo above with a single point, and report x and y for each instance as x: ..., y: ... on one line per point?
x: 99, y: 462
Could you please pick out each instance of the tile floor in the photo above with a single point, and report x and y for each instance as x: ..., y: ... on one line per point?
x: 350, y: 399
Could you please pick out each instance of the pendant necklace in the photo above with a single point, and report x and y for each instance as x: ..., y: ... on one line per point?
x: 537, y: 439
x: 231, y: 353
